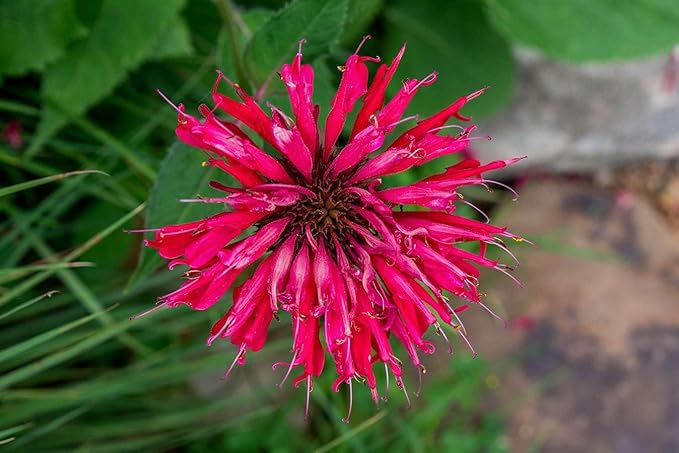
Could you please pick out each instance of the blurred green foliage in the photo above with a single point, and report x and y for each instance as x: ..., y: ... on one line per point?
x: 78, y: 78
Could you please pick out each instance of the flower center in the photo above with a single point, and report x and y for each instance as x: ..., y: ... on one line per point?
x: 330, y: 211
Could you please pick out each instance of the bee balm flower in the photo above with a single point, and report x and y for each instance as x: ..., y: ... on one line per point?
x: 318, y: 236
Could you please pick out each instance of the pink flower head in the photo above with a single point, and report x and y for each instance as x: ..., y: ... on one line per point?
x: 318, y: 237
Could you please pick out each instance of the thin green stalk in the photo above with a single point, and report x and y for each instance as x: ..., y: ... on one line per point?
x: 8, y: 275
x: 63, y: 355
x: 126, y: 153
x: 94, y: 240
x: 49, y: 427
x: 157, y: 119
x: 81, y: 291
x: 17, y: 107
x: 27, y: 304
x: 352, y: 433
x: 4, y: 191
x: 37, y: 219
x: 9, y: 158
x: 228, y: 14
x: 33, y: 342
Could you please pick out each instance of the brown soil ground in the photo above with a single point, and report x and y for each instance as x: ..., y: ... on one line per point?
x: 593, y: 351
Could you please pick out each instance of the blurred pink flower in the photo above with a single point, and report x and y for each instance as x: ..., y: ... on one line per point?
x: 12, y: 134
x: 328, y: 247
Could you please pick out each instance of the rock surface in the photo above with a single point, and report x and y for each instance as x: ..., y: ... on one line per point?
x: 582, y: 117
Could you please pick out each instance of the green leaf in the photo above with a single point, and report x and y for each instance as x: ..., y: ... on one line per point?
x: 583, y: 30
x: 325, y: 86
x: 320, y: 22
x: 34, y: 33
x: 181, y: 175
x: 360, y: 14
x: 250, y: 22
x: 124, y: 35
x: 175, y: 42
x: 112, y: 253
x: 458, y: 43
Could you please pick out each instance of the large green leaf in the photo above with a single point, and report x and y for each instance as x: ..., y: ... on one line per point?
x: 125, y: 34
x: 175, y: 42
x: 359, y: 15
x: 581, y: 30
x: 34, y: 33
x: 320, y: 22
x: 250, y: 22
x: 455, y: 41
x: 181, y: 175
x: 325, y: 87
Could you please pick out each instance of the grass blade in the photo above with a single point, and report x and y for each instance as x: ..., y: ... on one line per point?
x: 4, y: 191
x: 94, y: 240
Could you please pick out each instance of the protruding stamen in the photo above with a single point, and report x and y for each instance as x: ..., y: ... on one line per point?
x: 466, y: 340
x: 420, y: 371
x: 365, y: 38
x: 299, y: 46
x: 492, y: 313
x: 351, y: 402
x: 386, y: 383
x: 174, y: 106
x: 431, y: 78
x: 308, y: 395
x: 477, y: 209
x: 149, y: 311
x: 241, y: 351
x: 401, y: 121
x: 402, y: 386
x: 310, y: 237
x: 504, y: 248
x: 448, y: 126
x: 501, y: 268
x: 440, y: 331
x: 292, y: 364
x: 459, y: 322
x: 477, y: 93
x: 219, y: 333
x: 504, y: 186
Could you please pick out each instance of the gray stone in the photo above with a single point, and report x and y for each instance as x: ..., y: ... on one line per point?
x: 568, y: 117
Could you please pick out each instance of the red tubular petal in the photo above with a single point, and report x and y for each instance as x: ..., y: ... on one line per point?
x: 214, y: 136
x: 244, y: 175
x: 330, y: 288
x: 282, y: 259
x: 466, y: 169
x: 434, y: 121
x: 290, y: 143
x: 174, y: 241
x: 374, y: 98
x: 248, y: 112
x: 352, y: 86
x: 369, y: 140
x: 389, y: 115
x: 299, y: 80
x: 248, y: 250
x: 402, y: 291
x: 203, y: 291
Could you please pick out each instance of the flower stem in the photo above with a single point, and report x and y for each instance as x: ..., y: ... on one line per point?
x: 228, y: 15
